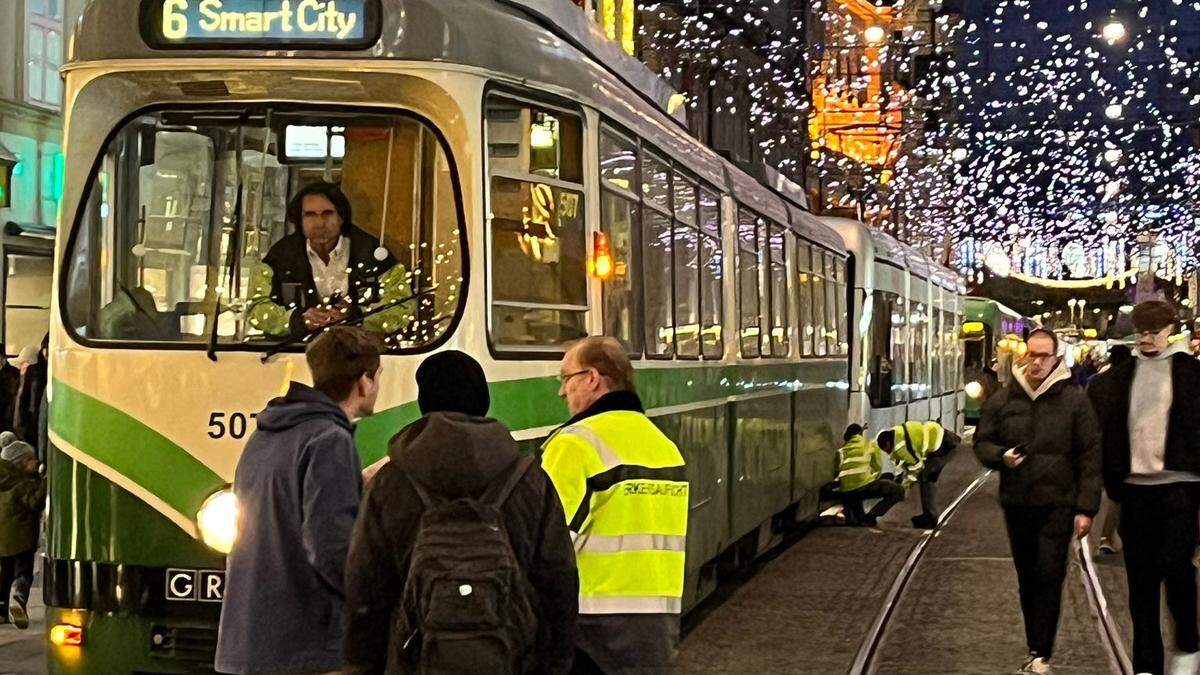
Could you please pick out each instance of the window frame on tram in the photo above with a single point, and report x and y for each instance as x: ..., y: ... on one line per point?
x: 637, y: 199
x: 63, y: 296
x: 520, y: 96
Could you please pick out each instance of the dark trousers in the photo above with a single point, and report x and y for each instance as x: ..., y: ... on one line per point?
x: 1159, y: 531
x: 927, y: 482
x: 16, y: 573
x: 1040, y: 539
x: 892, y: 493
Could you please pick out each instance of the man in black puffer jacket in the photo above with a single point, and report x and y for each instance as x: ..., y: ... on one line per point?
x: 1040, y: 433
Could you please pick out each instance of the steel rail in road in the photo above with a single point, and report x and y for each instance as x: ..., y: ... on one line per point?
x: 870, y: 644
x: 1109, y: 635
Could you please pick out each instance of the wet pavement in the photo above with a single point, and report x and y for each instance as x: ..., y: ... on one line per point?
x: 25, y: 651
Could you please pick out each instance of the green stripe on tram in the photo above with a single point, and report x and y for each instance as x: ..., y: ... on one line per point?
x: 133, y: 449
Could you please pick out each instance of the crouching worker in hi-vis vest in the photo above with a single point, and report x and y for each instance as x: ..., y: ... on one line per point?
x: 921, y: 449
x: 860, y: 477
x: 625, y: 495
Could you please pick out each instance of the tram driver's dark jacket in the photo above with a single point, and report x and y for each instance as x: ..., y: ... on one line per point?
x: 1061, y: 440
x: 1110, y: 393
x: 455, y: 455
x: 298, y: 485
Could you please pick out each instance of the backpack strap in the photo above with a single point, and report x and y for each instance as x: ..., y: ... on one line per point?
x: 498, y: 492
x: 429, y: 499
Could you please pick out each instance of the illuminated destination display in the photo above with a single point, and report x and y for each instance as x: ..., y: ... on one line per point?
x: 348, y: 23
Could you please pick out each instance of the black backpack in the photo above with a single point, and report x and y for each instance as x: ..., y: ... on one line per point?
x: 467, y: 606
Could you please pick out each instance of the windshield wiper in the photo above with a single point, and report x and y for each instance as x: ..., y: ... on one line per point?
x: 234, y: 239
x: 344, y: 321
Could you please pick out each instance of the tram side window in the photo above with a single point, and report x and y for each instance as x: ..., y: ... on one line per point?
x: 918, y: 324
x: 687, y: 268
x: 656, y: 251
x: 954, y: 350
x: 711, y: 275
x: 186, y: 235
x: 937, y: 344
x: 804, y: 285
x: 900, y: 365
x: 831, y: 315
x: 536, y: 221
x: 820, y: 346
x: 619, y: 219
x: 748, y: 282
x: 881, y: 371
x: 841, y: 315
x: 780, y: 343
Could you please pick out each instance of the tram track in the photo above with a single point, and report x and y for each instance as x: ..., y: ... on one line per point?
x: 1109, y: 634
x: 865, y: 657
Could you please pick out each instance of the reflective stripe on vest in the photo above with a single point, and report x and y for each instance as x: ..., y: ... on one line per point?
x: 858, y: 464
x: 630, y: 529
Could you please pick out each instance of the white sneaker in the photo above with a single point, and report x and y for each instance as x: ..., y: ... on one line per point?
x: 1035, y: 665
x: 1183, y: 663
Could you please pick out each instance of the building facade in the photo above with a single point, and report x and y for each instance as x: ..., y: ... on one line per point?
x: 33, y: 47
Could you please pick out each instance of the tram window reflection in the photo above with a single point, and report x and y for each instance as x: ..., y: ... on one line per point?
x: 537, y: 239
x: 187, y: 223
x: 711, y: 275
x: 748, y: 282
x: 619, y: 220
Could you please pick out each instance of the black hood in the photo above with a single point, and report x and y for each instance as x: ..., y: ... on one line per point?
x: 301, y: 404
x: 453, y: 454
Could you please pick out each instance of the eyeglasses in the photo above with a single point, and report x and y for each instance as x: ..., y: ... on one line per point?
x: 567, y: 377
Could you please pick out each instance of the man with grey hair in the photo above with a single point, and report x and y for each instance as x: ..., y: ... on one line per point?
x: 624, y: 491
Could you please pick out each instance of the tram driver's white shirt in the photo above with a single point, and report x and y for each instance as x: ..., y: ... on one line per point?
x: 334, y: 278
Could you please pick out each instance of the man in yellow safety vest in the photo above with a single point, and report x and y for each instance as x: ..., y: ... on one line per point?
x: 921, y: 449
x: 624, y: 490
x: 860, y: 477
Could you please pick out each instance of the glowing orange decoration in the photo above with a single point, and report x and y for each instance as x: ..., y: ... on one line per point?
x: 602, y: 259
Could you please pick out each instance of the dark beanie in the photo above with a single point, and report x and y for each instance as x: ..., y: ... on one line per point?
x: 452, y: 381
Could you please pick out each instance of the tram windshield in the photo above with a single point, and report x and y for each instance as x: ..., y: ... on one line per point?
x: 236, y: 226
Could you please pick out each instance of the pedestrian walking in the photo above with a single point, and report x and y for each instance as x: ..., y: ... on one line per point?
x: 921, y: 450
x: 32, y: 364
x: 298, y: 488
x: 1040, y: 433
x: 624, y: 491
x: 1150, y: 411
x: 860, y: 477
x: 10, y: 386
x: 22, y: 498
x: 461, y: 561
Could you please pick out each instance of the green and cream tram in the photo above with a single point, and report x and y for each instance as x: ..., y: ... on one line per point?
x: 534, y: 188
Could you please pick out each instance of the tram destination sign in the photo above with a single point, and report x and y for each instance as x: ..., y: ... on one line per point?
x: 260, y: 24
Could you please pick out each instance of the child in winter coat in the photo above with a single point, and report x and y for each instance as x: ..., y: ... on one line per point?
x: 22, y: 496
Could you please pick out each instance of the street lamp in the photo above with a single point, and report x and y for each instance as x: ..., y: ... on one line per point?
x: 1071, y: 304
x: 874, y: 34
x: 1113, y: 31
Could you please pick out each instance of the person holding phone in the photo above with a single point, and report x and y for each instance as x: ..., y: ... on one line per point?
x: 1040, y: 433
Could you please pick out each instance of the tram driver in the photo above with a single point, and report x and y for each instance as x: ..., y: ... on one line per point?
x: 327, y: 271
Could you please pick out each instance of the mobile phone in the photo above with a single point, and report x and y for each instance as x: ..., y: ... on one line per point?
x: 1018, y: 449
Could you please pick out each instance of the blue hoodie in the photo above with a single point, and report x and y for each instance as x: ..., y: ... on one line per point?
x: 298, y: 485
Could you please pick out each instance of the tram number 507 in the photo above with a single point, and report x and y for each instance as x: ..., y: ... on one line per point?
x: 235, y: 425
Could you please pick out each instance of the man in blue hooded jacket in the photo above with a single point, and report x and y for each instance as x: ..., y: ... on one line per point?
x: 298, y: 487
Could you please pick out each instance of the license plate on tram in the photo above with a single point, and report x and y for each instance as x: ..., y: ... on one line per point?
x: 183, y: 585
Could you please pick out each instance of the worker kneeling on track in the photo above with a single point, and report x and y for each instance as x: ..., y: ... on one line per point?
x: 860, y: 477
x: 921, y: 450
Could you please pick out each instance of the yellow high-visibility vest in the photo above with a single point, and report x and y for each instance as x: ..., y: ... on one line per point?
x: 625, y: 494
x: 926, y: 438
x: 860, y: 463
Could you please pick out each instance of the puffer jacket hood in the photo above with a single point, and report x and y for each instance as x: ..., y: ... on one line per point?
x: 453, y: 454
x: 1061, y: 373
x: 301, y: 404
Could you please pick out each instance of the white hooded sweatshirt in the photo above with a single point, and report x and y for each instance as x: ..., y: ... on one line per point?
x: 1149, y: 416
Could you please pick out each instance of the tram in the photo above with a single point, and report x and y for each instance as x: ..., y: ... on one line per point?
x: 991, y: 333
x: 535, y: 190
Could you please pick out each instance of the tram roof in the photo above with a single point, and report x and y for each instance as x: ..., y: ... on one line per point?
x: 887, y: 248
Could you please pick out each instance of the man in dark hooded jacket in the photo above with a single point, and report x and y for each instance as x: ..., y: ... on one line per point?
x: 455, y: 452
x: 1040, y: 433
x: 298, y: 488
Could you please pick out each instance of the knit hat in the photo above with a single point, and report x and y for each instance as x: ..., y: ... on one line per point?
x: 29, y: 355
x: 452, y: 381
x: 16, y: 450
x: 7, y: 438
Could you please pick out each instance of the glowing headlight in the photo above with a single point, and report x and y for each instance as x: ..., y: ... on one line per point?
x: 974, y: 389
x: 218, y: 520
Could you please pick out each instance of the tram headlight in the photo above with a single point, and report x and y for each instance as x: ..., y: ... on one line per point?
x: 974, y: 389
x: 218, y: 520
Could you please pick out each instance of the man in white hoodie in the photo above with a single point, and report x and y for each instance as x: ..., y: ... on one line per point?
x: 1150, y: 420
